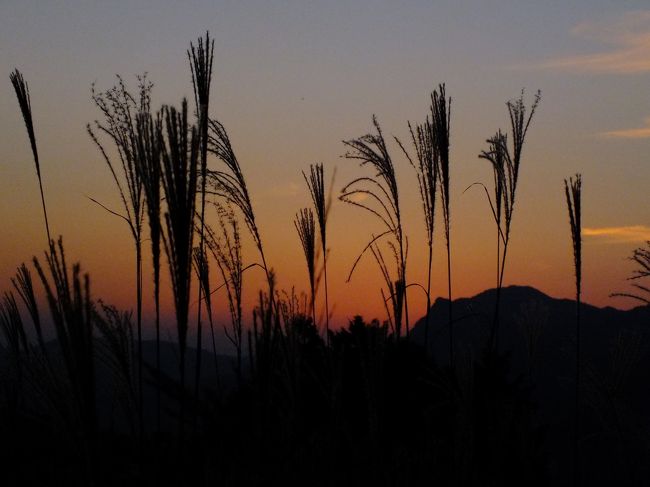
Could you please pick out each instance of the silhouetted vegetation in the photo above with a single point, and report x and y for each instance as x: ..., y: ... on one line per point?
x: 361, y: 403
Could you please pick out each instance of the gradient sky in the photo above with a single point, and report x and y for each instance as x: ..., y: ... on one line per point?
x: 294, y: 78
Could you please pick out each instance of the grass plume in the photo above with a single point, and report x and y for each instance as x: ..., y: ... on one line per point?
x: 316, y: 185
x: 71, y: 309
x: 573, y: 193
x: 24, y: 285
x: 506, y: 163
x: 147, y: 163
x: 440, y: 123
x: 427, y: 156
x: 122, y: 111
x: 24, y: 101
x: 230, y: 184
x: 201, y: 57
x: 306, y: 228
x: 227, y: 250
x: 180, y: 171
x: 382, y: 191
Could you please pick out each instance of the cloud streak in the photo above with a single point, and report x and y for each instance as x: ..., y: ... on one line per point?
x: 628, y: 46
x: 625, y: 234
x: 637, y: 133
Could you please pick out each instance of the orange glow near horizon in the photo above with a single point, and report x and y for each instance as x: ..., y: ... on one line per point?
x: 290, y: 85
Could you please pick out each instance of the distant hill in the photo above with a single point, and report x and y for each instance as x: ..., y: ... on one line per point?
x: 524, y: 309
x: 537, y: 334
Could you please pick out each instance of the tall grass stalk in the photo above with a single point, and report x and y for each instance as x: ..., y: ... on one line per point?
x: 316, y: 185
x: 306, y: 228
x: 230, y: 184
x: 383, y: 202
x: 15, y: 354
x: 24, y: 101
x: 201, y: 57
x: 227, y: 250
x: 506, y: 164
x: 200, y: 263
x: 117, y: 351
x: 13, y: 330
x: 71, y: 310
x: 180, y: 172
x: 148, y: 157
x: 202, y: 269
x: 121, y: 111
x: 395, y: 291
x: 441, y: 121
x: 423, y: 139
x: 573, y: 193
x: 24, y: 285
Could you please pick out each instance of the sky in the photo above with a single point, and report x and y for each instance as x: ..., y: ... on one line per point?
x: 292, y: 79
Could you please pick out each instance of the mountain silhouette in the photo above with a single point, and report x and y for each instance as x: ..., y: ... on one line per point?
x: 537, y: 337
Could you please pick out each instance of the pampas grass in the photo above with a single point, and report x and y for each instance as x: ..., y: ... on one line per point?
x: 147, y: 164
x: 506, y: 163
x: 201, y: 58
x: 180, y: 171
x: 227, y: 250
x: 316, y: 185
x: 393, y: 286
x: 202, y: 269
x: 427, y: 170
x: 116, y: 350
x: 121, y: 111
x: 382, y: 193
x: 306, y: 228
x: 230, y: 184
x: 24, y: 101
x: 573, y: 193
x: 13, y: 329
x: 24, y: 285
x: 71, y: 309
x: 441, y: 122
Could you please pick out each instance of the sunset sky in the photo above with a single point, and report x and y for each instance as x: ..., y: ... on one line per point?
x: 292, y: 79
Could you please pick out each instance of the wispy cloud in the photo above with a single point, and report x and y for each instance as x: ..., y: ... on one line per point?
x: 629, y: 234
x: 627, y: 38
x: 637, y: 133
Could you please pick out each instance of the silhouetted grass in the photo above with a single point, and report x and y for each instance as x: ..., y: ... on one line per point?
x: 573, y: 193
x: 24, y: 101
x: 306, y: 228
x: 230, y: 184
x: 202, y: 269
x: 427, y: 170
x: 505, y: 165
x: 24, y: 285
x: 227, y: 250
x: 441, y: 124
x: 383, y: 195
x: 316, y: 185
x: 180, y: 172
x: 147, y: 164
x: 364, y: 406
x: 121, y: 112
x: 201, y: 58
x: 117, y: 351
